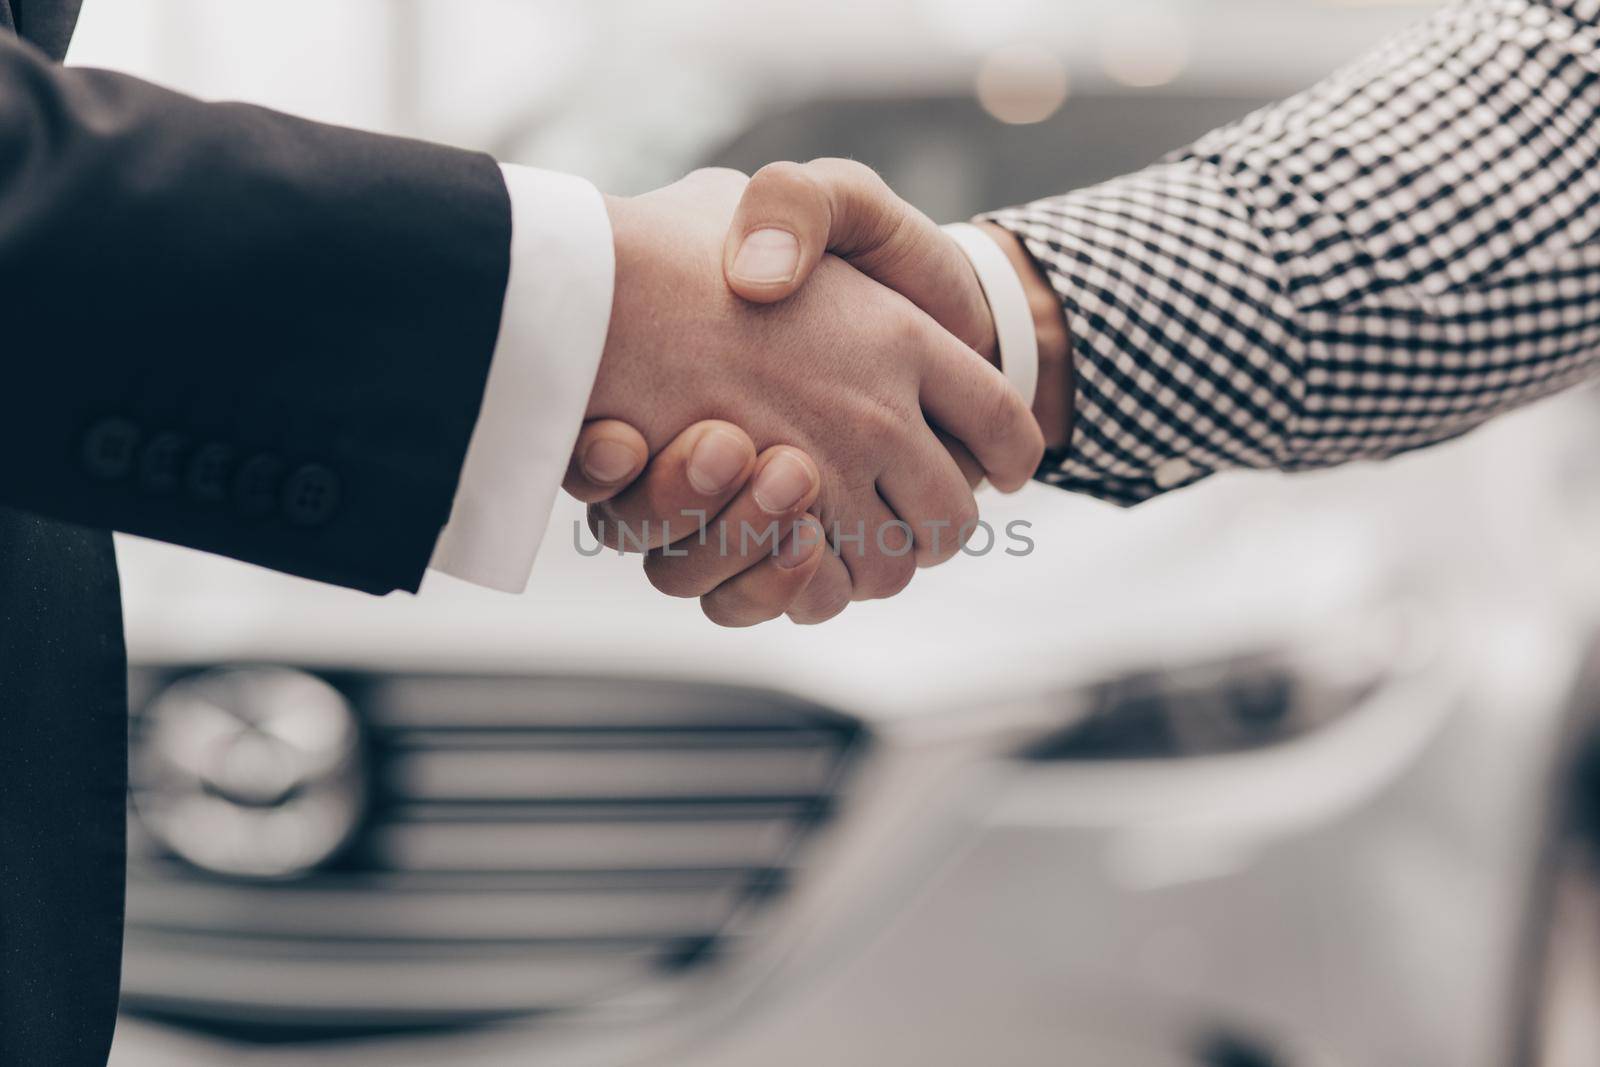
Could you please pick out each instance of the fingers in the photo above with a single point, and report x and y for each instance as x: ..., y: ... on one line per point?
x: 877, y: 547
x: 766, y: 590
x: 684, y: 487
x: 825, y: 595
x: 930, y: 493
x: 971, y: 469
x: 607, y: 458
x: 792, y: 213
x: 972, y: 402
x: 747, y: 534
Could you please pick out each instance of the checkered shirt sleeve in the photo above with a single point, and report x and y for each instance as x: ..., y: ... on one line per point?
x: 1377, y: 264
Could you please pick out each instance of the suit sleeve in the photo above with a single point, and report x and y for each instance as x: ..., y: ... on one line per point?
x: 236, y: 330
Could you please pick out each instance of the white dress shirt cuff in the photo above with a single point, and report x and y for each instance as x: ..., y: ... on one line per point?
x: 1016, y: 338
x: 552, y: 331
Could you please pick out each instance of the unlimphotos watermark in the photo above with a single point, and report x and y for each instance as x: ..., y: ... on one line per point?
x: 745, y: 539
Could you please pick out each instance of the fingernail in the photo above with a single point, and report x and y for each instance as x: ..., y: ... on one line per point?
x: 802, y: 544
x: 782, y: 483
x: 607, y: 462
x: 716, y: 461
x: 767, y: 256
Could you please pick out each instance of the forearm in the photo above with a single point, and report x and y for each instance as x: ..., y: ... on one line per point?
x: 204, y: 302
x: 1375, y: 265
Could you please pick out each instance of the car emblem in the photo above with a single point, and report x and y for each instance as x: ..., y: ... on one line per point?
x: 254, y: 772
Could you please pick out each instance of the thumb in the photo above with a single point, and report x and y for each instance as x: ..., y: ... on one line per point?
x: 781, y: 228
x: 793, y: 213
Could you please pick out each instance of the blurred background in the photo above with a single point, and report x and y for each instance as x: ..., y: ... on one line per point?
x: 1270, y: 772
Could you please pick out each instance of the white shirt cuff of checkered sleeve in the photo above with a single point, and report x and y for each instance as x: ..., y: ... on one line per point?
x: 1163, y: 397
x: 552, y: 330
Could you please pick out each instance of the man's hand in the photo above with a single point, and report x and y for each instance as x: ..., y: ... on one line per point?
x: 710, y: 483
x: 847, y: 372
x: 789, y: 217
x: 792, y: 214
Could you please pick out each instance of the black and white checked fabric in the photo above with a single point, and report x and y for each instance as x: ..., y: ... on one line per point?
x: 1379, y: 263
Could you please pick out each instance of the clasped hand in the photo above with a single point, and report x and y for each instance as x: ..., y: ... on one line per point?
x: 816, y: 433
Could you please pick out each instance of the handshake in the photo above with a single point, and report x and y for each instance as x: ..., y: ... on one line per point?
x: 818, y: 422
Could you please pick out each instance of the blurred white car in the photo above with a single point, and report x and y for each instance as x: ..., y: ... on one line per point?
x: 1274, y: 771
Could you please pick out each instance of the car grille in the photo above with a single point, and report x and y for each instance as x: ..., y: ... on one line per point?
x: 527, y: 845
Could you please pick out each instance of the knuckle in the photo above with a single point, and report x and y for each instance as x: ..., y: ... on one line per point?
x: 1033, y: 453
x: 851, y: 170
x: 820, y: 602
x: 722, y: 614
x: 878, y: 217
x: 603, y: 524
x: 881, y: 408
x: 655, y: 498
x: 794, y: 192
x: 1005, y: 415
x: 884, y: 425
x: 909, y: 331
x: 668, y: 500
x: 735, y: 607
x: 885, y: 415
x: 1028, y: 448
x: 670, y: 577
x: 1012, y: 433
x: 885, y: 576
x: 665, y: 502
x: 783, y: 174
x: 962, y: 518
x: 966, y: 516
x: 900, y: 575
x: 585, y: 491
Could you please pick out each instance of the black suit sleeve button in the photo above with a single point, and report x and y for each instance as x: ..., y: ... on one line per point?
x: 311, y: 495
x: 160, y: 465
x: 207, y: 476
x: 255, y: 487
x: 109, y: 449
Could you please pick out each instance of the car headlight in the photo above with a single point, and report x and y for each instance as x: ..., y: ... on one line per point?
x: 1233, y: 704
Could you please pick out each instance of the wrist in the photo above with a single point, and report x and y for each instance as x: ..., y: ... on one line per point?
x: 630, y: 240
x: 1052, y: 404
x: 1049, y: 322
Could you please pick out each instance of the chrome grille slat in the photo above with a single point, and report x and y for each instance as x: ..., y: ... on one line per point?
x: 152, y: 872
x: 403, y: 949
x: 609, y: 739
x: 532, y: 844
x: 583, y: 845
x: 437, y: 915
x: 235, y: 981
x: 418, y: 703
x: 594, y: 772
x: 537, y: 812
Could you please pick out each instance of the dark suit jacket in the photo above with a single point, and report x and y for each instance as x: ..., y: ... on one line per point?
x: 222, y: 327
